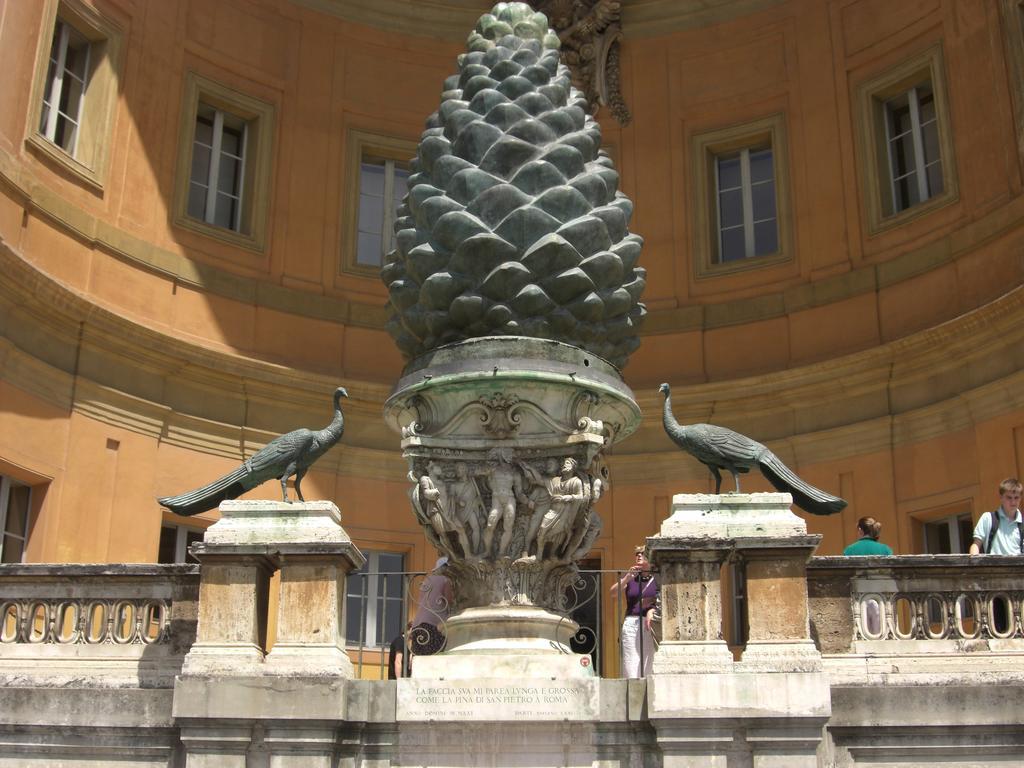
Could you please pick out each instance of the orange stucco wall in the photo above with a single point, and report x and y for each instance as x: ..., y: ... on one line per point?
x: 137, y: 356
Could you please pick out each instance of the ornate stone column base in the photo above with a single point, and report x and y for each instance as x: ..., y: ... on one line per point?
x: 516, y: 641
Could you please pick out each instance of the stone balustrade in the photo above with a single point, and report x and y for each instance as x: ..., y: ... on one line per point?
x: 113, y: 625
x: 911, y: 603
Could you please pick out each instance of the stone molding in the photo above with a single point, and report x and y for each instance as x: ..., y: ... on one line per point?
x: 961, y: 373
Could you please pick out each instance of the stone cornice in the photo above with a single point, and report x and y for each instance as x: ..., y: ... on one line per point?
x: 931, y: 383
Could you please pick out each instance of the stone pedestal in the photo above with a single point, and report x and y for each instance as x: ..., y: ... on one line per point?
x: 232, y: 627
x: 689, y: 576
x: 504, y: 437
x: 771, y: 705
x: 239, y: 554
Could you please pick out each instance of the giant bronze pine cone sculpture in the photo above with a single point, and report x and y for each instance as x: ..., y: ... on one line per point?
x: 513, y: 224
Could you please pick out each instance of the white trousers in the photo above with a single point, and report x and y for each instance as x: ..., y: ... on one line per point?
x: 637, y: 648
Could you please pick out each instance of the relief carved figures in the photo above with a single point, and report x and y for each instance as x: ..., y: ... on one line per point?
x: 500, y: 507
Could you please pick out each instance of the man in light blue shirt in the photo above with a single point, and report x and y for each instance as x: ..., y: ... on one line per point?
x: 1007, y: 538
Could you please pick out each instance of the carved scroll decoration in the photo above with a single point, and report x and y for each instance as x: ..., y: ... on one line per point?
x: 590, y: 31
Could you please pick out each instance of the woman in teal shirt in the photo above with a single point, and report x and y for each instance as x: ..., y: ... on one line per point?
x: 868, y: 544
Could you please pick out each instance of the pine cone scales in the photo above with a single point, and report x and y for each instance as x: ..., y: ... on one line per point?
x: 513, y: 223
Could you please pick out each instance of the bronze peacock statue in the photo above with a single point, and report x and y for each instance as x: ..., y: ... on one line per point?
x: 719, y: 448
x: 290, y: 454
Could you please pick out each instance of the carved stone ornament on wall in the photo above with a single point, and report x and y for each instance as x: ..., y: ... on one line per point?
x: 522, y: 521
x: 590, y: 31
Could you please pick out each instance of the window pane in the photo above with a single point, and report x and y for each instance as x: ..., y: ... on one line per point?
x: 44, y: 118
x: 391, y: 562
x: 401, y: 186
x: 353, y: 617
x: 934, y: 175
x: 937, y: 538
x: 55, y: 43
x: 732, y: 243
x: 231, y: 141
x: 369, y: 249
x: 761, y: 166
x: 71, y: 98
x: 77, y: 56
x: 764, y: 200
x: 930, y: 141
x: 925, y: 104
x: 64, y: 136
x: 966, y: 527
x: 200, y: 164
x: 197, y: 201
x: 766, y: 238
x: 371, y: 214
x: 204, y: 129
x: 899, y: 116
x: 230, y: 172
x: 168, y: 544
x: 905, y: 192
x: 902, y: 150
x: 12, y: 550
x: 371, y: 179
x: 728, y: 172
x: 390, y: 585
x: 17, y: 510
x: 730, y: 206
x: 224, y: 211
x: 395, y: 622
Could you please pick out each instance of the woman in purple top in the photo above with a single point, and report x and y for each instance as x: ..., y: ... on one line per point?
x: 641, y: 591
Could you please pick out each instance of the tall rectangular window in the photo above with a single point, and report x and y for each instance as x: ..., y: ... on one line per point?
x: 218, y: 168
x: 904, y: 142
x: 740, y: 211
x: 223, y: 179
x: 14, y: 514
x: 375, y: 600
x: 67, y: 79
x: 74, y: 89
x: 912, y: 138
x: 745, y: 200
x: 382, y: 185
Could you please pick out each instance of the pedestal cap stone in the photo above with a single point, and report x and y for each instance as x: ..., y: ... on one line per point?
x: 732, y: 516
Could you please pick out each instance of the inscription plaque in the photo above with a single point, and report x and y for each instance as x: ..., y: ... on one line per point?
x: 498, y: 699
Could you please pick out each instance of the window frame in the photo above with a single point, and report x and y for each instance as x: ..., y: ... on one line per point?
x: 6, y: 484
x: 181, y: 554
x: 872, y: 97
x: 359, y: 145
x: 88, y: 162
x: 259, y: 117
x: 212, y: 176
x: 746, y: 189
x: 952, y: 523
x: 707, y: 148
x: 371, y: 586
x: 1013, y: 38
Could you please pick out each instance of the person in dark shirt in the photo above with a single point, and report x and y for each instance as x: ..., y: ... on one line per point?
x: 397, y: 660
x: 641, y: 591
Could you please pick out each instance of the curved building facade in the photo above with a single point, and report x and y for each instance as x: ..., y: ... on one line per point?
x: 830, y: 195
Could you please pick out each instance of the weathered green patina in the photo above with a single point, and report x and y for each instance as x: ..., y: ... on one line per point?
x: 514, y: 224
